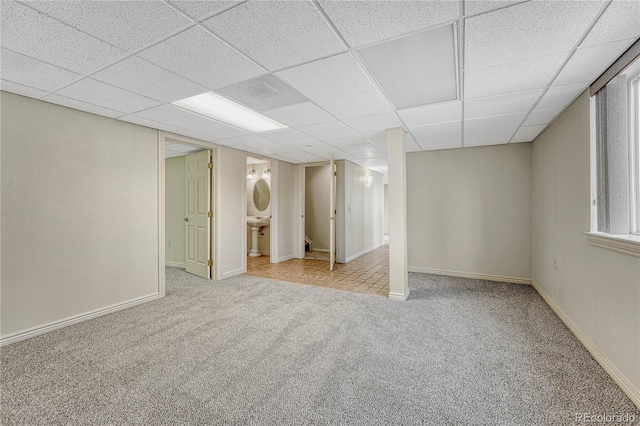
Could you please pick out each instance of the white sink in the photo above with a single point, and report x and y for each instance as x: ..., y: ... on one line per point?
x: 257, y: 221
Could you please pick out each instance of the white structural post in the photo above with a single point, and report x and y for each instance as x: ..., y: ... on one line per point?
x: 398, y: 263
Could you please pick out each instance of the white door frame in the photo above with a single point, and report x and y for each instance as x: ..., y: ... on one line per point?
x: 299, y: 231
x: 164, y: 137
x: 273, y: 189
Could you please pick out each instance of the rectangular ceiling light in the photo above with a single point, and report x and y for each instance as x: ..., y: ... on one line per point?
x: 418, y: 69
x: 220, y: 108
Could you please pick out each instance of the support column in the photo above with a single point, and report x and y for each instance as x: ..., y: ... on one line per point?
x: 398, y: 263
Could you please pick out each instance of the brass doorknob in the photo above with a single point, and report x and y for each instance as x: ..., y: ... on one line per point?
x: 186, y: 219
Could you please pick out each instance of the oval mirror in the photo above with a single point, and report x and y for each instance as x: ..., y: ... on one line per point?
x: 261, y: 194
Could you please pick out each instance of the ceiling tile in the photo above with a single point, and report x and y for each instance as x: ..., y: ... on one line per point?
x: 327, y: 130
x: 450, y: 128
x: 429, y: 143
x: 165, y: 127
x: 326, y: 153
x: 303, y: 157
x: 259, y: 144
x: 328, y: 78
x: 309, y: 144
x: 411, y: 144
x: 107, y: 96
x: 128, y: 25
x: 286, y: 136
x: 30, y: 72
x: 527, y: 133
x: 373, y: 123
x: 358, y: 105
x: 473, y: 7
x: 379, y: 139
x: 19, y: 89
x: 526, y: 30
x: 503, y: 104
x: 542, y: 116
x: 342, y: 141
x: 200, y: 57
x: 588, y: 63
x: 364, y: 22
x: 560, y: 96
x: 431, y: 114
x: 203, y: 9
x: 301, y: 114
x: 26, y: 31
x: 277, y: 34
x: 177, y: 117
x: 142, y: 77
x: 489, y: 137
x: 517, y: 76
x: 498, y: 121
x: 620, y: 21
x: 366, y: 150
x: 81, y: 106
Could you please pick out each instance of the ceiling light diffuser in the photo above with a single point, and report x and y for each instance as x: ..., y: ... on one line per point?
x: 262, y: 93
x: 220, y: 108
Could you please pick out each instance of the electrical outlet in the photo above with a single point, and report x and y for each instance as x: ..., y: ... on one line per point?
x: 555, y: 261
x: 168, y: 243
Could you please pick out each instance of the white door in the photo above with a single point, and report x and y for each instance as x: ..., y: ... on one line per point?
x: 199, y: 212
x: 332, y: 215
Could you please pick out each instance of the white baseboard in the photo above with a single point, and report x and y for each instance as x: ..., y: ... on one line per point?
x: 285, y: 258
x: 627, y: 387
x: 399, y: 296
x: 357, y: 255
x: 21, y: 335
x: 174, y: 264
x: 321, y: 250
x: 233, y: 273
x: 498, y: 278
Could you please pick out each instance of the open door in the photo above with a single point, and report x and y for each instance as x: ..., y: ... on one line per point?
x: 198, y: 260
x: 332, y: 216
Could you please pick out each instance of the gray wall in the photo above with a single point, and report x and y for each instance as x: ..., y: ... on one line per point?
x: 469, y: 210
x: 175, y: 201
x: 598, y: 289
x: 79, y: 213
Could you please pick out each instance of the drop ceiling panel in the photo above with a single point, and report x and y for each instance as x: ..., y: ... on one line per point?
x: 362, y: 22
x: 542, y: 116
x: 342, y: 141
x: 324, y: 153
x: 373, y: 123
x: 286, y: 136
x: 202, y: 9
x: 33, y: 34
x: 144, y: 78
x: 498, y: 121
x: 526, y: 30
x: 503, y: 104
x: 200, y: 57
x: 262, y: 93
x: 30, y: 72
x: 411, y: 144
x: 430, y: 143
x: 620, y: 21
x: 19, y: 89
x: 128, y: 25
x: 151, y: 124
x: 308, y: 144
x: 277, y: 34
x: 588, y: 63
x: 489, y: 137
x: 474, y: 7
x: 366, y: 150
x: 358, y: 105
x: 431, y: 114
x: 379, y: 139
x: 527, y: 133
x: 304, y: 157
x: 518, y: 76
x: 327, y: 130
x: 301, y: 114
x: 106, y: 96
x: 561, y: 96
x: 450, y: 128
x: 260, y: 144
x: 81, y: 106
x: 177, y: 117
x: 328, y: 78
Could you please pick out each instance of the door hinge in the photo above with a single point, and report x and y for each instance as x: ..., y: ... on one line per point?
x: 211, y: 165
x: 210, y: 214
x: 210, y: 263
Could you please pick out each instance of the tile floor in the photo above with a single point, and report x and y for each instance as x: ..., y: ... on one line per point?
x: 367, y: 274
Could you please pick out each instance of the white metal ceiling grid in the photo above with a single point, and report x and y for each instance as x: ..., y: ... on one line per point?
x: 520, y: 64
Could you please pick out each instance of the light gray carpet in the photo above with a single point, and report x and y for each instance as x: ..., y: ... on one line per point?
x: 253, y: 351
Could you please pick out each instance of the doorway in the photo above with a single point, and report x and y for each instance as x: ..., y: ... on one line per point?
x: 258, y: 206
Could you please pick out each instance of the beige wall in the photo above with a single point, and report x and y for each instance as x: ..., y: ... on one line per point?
x: 79, y: 213
x: 316, y: 212
x: 175, y: 210
x: 598, y: 289
x: 469, y: 210
x: 285, y: 211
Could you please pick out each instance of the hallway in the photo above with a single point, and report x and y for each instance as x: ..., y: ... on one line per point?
x: 367, y: 274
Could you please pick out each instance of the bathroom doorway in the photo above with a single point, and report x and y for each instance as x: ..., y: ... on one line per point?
x: 258, y: 202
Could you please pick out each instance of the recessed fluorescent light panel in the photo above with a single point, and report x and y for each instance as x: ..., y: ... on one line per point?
x: 262, y: 93
x: 220, y: 108
x: 418, y: 69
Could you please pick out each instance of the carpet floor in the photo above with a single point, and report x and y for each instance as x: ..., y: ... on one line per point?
x: 252, y: 351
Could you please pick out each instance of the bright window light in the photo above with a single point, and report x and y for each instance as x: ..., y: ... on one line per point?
x: 220, y: 108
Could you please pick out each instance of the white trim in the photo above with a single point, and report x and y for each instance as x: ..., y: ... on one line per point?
x: 627, y: 244
x: 285, y: 258
x: 626, y: 386
x: 498, y: 278
x: 161, y: 216
x: 321, y: 250
x: 357, y: 255
x: 174, y: 264
x: 21, y: 335
x: 232, y: 273
x: 399, y: 296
